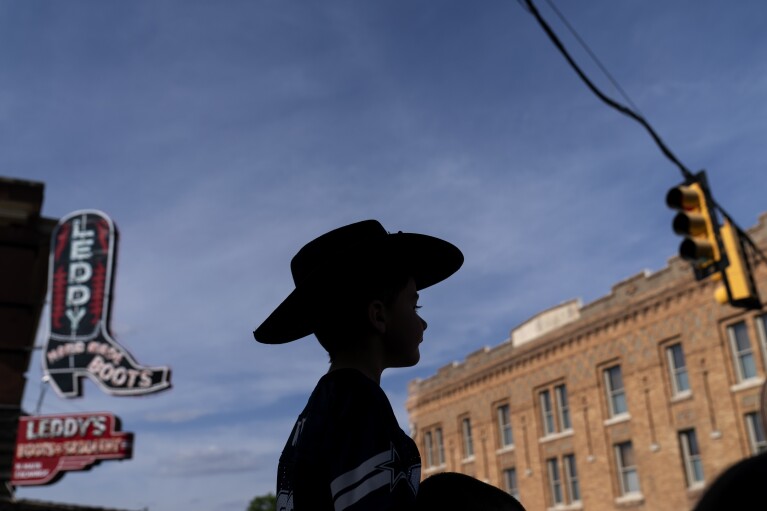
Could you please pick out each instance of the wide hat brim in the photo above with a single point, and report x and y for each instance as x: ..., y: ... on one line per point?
x: 428, y: 260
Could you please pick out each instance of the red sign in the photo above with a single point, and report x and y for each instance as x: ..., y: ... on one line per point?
x: 49, y: 445
x: 81, y: 343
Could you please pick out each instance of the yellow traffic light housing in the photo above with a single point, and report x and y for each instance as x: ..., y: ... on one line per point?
x: 738, y: 287
x: 696, y: 221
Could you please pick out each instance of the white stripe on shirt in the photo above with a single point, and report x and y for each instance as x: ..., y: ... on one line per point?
x: 354, y: 495
x: 356, y: 475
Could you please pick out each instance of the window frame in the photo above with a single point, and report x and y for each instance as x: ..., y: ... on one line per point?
x: 556, y: 488
x: 563, y: 407
x: 738, y: 355
x: 468, y: 440
x: 675, y: 371
x: 503, y: 414
x: 554, y: 409
x: 562, y: 480
x: 511, y: 489
x: 692, y: 459
x: 624, y: 470
x: 548, y: 420
x: 428, y: 447
x: 572, y: 483
x: 433, y: 448
x: 611, y: 393
x: 761, y: 332
x: 755, y: 430
x: 440, y: 446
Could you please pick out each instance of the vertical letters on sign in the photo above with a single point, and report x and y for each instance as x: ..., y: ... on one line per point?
x: 80, y: 343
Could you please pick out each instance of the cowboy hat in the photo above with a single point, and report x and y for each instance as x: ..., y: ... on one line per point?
x: 338, y: 255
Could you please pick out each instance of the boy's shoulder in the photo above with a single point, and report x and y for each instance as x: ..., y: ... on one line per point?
x: 344, y: 405
x: 346, y: 399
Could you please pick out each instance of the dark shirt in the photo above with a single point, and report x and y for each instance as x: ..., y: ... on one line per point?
x: 347, y: 451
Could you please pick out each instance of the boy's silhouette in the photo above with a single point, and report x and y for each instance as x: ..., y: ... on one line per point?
x: 356, y: 290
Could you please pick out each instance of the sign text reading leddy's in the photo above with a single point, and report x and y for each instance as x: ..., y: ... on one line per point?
x: 80, y: 343
x: 49, y: 445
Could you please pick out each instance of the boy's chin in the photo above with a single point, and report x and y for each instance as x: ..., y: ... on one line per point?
x: 409, y: 361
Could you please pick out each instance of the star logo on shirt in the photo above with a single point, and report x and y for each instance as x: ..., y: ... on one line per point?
x: 397, y: 471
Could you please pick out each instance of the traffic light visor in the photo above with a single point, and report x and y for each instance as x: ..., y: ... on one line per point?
x: 690, y: 224
x: 696, y: 250
x: 684, y: 197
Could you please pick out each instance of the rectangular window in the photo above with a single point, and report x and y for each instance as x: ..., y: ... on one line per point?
x: 756, y: 438
x: 468, y: 443
x: 547, y: 412
x: 616, y: 396
x: 504, y: 426
x: 563, y: 410
x: 510, y: 478
x: 761, y: 326
x: 693, y: 465
x: 555, y: 410
x: 571, y: 478
x: 569, y: 490
x: 440, y: 446
x: 555, y: 482
x: 677, y: 369
x: 628, y: 477
x: 428, y: 449
x: 743, y: 355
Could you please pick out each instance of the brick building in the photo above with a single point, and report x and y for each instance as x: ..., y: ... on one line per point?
x: 24, y: 246
x: 637, y: 400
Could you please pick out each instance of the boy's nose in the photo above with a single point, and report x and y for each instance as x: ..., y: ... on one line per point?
x: 424, y: 323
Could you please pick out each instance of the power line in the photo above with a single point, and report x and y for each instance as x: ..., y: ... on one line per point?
x: 601, y: 95
x: 634, y: 114
x: 593, y: 56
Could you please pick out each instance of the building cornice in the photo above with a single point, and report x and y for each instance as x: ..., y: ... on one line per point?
x: 628, y: 300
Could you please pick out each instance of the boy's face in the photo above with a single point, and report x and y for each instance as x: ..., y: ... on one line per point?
x: 404, y: 329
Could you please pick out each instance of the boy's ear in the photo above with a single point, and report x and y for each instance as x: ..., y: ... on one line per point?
x: 377, y: 316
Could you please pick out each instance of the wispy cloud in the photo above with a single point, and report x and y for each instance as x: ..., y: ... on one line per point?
x: 211, y: 460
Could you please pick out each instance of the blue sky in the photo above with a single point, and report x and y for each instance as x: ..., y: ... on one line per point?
x: 221, y: 136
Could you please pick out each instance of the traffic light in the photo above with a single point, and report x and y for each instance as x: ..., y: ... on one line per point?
x: 712, y: 250
x: 696, y: 221
x: 738, y: 287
